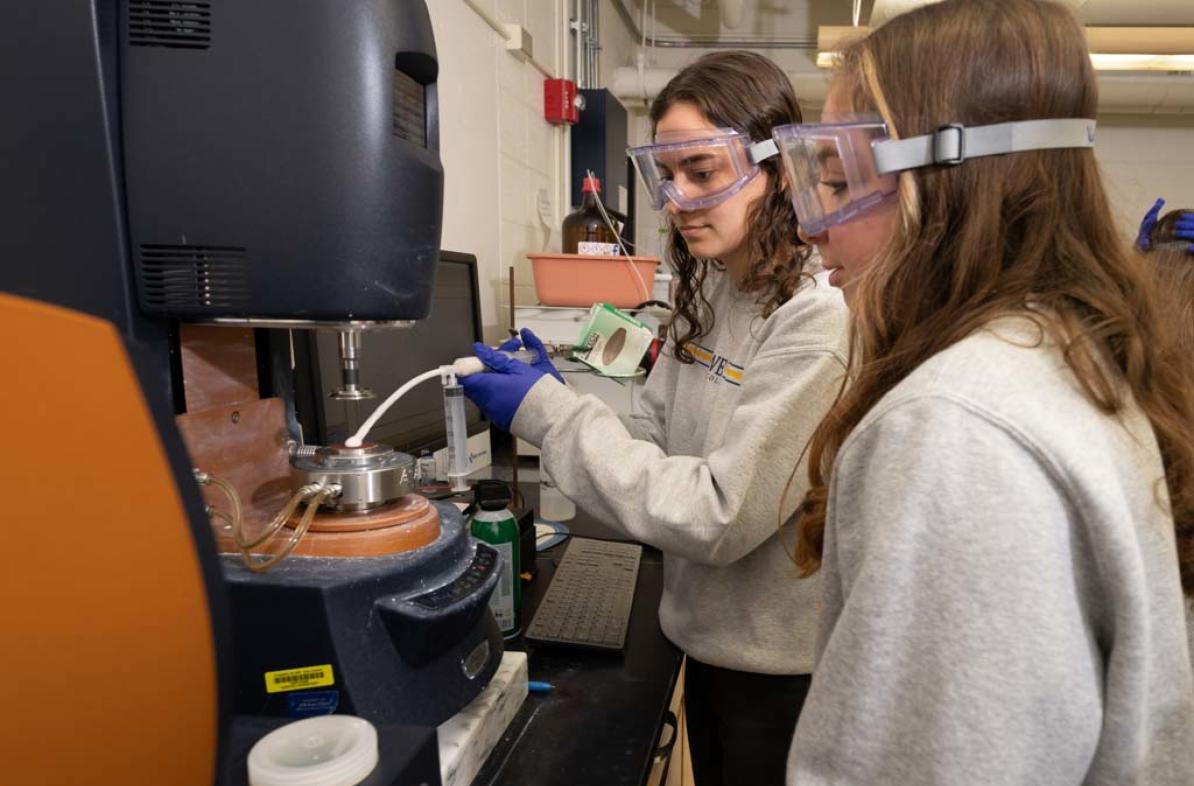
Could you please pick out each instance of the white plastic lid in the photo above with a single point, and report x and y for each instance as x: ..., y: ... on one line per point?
x: 328, y: 750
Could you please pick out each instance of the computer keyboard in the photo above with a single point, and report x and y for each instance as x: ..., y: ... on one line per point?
x: 590, y: 596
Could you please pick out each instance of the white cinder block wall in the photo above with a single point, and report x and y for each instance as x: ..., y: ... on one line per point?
x: 1144, y: 157
x: 498, y: 151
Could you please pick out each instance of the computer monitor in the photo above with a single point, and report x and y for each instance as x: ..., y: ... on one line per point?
x: 389, y: 358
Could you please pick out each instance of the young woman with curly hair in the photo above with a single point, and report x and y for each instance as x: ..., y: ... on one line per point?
x: 755, y: 354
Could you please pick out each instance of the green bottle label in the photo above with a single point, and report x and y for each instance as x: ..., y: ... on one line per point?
x: 499, y: 529
x: 502, y: 601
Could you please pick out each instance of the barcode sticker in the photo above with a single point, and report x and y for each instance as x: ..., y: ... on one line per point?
x: 298, y: 679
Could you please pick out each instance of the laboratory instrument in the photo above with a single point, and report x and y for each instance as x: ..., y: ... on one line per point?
x: 224, y: 576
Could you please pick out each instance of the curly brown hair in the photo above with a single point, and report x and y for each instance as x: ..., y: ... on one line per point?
x: 1029, y: 233
x: 748, y: 93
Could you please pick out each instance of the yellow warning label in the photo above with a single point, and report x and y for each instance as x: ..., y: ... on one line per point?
x: 297, y: 679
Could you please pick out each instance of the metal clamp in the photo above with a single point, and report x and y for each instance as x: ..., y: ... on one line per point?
x: 938, y: 143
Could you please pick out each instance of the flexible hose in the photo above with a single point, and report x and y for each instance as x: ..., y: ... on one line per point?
x: 261, y: 566
x: 216, y: 513
x: 278, y: 521
x: 356, y: 439
x: 233, y: 519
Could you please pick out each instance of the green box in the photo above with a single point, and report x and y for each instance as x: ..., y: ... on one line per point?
x: 612, y: 342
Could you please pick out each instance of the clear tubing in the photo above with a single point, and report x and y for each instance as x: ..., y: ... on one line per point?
x: 304, y: 524
x: 646, y: 290
x: 233, y: 519
x: 279, y: 520
x: 229, y: 522
x: 356, y: 439
x: 457, y: 433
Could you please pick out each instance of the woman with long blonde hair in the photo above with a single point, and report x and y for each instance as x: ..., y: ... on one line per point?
x: 1001, y: 504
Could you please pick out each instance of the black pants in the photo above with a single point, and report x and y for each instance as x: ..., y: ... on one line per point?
x: 740, y: 724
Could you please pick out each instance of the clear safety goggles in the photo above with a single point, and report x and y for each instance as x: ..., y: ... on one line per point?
x: 837, y: 171
x: 698, y: 169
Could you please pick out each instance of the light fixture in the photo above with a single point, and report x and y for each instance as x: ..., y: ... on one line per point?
x: 1141, y: 48
x: 1119, y: 61
x: 1112, y: 48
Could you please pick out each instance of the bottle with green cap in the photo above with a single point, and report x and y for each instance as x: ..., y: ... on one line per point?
x: 493, y: 523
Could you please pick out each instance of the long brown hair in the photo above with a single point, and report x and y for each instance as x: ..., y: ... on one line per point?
x: 1171, y: 262
x: 1025, y: 233
x: 748, y: 93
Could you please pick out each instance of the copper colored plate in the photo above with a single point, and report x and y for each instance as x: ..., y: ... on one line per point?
x: 219, y: 366
x: 408, y: 524
x: 404, y: 510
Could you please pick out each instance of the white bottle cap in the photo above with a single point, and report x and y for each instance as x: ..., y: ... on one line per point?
x: 328, y: 750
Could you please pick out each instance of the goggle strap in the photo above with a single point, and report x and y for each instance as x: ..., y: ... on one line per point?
x: 761, y: 151
x: 954, y: 143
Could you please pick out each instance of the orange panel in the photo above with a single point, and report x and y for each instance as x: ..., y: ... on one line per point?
x: 108, y: 661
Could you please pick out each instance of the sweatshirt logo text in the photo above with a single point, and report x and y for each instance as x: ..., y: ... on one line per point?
x: 721, y: 369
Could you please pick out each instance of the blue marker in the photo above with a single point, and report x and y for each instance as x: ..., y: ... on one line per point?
x: 535, y: 686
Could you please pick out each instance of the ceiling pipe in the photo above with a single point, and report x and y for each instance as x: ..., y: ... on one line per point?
x: 883, y: 10
x: 1100, y: 39
x: 706, y: 41
x: 1118, y: 94
x: 633, y: 84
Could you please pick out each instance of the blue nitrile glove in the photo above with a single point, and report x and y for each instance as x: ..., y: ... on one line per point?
x: 1144, y: 240
x: 500, y: 391
x: 532, y: 342
x: 1184, y: 229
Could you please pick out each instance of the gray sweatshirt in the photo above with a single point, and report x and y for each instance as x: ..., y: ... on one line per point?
x: 700, y: 473
x: 1001, y: 601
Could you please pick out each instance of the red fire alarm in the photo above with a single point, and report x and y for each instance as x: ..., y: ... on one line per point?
x: 561, y: 104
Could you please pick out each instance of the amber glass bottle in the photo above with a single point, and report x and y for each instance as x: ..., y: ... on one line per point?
x: 585, y: 224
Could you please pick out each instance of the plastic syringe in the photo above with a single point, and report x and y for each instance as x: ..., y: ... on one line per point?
x: 453, y: 405
x: 457, y: 432
x: 467, y: 366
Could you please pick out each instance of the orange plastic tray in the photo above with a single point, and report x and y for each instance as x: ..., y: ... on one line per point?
x: 581, y: 280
